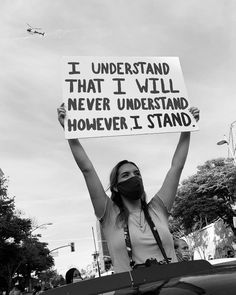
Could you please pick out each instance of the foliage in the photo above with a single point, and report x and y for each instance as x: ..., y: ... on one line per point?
x: 51, y: 277
x: 176, y: 227
x: 206, y: 196
x: 20, y: 252
x: 34, y: 256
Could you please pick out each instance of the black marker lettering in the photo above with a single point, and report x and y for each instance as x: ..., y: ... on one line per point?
x: 119, y: 91
x: 172, y: 90
x: 154, y: 85
x: 71, y: 81
x: 72, y: 104
x: 136, y: 122
x: 167, y: 120
x: 142, y: 88
x: 71, y: 125
x: 73, y: 68
x: 186, y: 119
x: 176, y: 119
x: 163, y: 86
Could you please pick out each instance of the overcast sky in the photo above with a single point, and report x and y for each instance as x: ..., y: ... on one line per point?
x: 33, y: 152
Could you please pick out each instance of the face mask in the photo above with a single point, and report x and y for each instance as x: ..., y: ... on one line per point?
x: 186, y: 256
x: 132, y: 188
x: 75, y: 280
x: 183, y: 255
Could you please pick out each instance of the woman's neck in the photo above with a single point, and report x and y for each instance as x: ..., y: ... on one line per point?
x: 132, y: 205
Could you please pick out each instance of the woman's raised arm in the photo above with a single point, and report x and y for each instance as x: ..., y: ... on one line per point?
x: 169, y: 187
x: 94, y: 185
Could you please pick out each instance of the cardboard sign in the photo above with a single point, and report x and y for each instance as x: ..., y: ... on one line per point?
x: 114, y: 96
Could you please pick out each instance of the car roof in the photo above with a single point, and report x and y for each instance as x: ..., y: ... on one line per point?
x: 182, y: 278
x: 221, y: 261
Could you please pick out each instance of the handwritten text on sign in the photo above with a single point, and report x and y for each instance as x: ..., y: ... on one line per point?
x: 111, y: 96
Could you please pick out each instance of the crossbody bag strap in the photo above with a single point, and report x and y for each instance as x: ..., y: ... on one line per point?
x: 155, y: 232
x: 128, y: 244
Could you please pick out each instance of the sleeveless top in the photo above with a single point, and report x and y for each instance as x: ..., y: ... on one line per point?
x: 144, y: 245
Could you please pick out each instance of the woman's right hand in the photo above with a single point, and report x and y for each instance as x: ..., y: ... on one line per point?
x: 61, y: 114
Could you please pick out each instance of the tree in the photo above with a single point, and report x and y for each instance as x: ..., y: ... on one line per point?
x: 52, y: 278
x: 34, y: 257
x: 13, y: 230
x: 176, y: 227
x: 206, y: 196
x: 20, y: 252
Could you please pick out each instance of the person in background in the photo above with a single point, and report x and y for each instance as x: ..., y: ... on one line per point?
x: 182, y: 250
x: 131, y: 225
x: 230, y: 253
x: 73, y: 275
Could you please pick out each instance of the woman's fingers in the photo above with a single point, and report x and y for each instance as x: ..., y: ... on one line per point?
x: 61, y: 112
x: 195, y: 112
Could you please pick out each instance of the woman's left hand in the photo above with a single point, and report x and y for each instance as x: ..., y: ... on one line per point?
x: 195, y: 112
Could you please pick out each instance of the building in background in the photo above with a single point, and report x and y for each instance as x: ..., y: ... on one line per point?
x: 215, y: 240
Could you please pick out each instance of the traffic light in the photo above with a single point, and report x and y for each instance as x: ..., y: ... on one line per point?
x: 72, y: 247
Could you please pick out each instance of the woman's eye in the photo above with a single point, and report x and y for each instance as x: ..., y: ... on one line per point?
x: 125, y: 175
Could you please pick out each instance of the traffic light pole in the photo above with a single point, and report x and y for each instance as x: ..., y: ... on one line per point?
x: 69, y: 245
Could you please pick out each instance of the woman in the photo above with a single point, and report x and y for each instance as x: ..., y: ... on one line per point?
x: 135, y: 231
x: 73, y: 275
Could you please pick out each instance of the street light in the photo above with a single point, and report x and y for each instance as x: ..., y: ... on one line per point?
x: 221, y: 142
x: 230, y: 142
x: 41, y: 226
x: 233, y: 155
x: 225, y: 141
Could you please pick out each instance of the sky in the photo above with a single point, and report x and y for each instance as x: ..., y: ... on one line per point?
x: 47, y: 185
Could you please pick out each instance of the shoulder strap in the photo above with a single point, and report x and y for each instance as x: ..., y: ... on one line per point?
x: 155, y: 232
x: 128, y: 244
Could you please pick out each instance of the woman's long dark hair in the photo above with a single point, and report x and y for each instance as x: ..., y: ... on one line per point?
x: 122, y: 217
x: 70, y: 274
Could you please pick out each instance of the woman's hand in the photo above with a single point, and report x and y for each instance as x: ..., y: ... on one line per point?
x: 61, y: 114
x: 195, y: 112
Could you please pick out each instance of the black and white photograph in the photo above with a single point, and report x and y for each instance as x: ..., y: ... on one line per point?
x: 117, y: 147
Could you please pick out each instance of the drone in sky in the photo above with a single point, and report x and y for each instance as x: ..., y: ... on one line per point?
x: 32, y: 30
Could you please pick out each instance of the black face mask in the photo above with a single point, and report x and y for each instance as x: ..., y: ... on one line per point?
x: 132, y: 188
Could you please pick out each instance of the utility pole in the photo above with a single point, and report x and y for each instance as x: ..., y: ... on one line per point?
x: 96, y: 254
x: 231, y: 145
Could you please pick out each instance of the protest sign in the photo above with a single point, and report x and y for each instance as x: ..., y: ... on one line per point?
x: 114, y: 96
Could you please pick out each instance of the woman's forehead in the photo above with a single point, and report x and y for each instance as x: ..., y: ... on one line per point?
x: 127, y: 167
